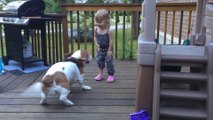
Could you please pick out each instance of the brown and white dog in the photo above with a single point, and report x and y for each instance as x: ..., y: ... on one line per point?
x: 60, y: 76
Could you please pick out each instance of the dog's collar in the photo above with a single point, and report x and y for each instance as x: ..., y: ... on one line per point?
x: 74, y: 60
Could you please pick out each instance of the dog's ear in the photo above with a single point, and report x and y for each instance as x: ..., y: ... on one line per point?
x: 85, y: 56
x: 66, y: 55
x: 81, y: 67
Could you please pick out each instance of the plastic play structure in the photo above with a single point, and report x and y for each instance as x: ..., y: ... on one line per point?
x: 182, y: 94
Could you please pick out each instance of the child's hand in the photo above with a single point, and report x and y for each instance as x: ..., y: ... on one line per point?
x: 109, y: 53
x: 98, y: 46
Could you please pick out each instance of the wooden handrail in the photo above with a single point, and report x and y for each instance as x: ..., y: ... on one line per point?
x: 176, y: 6
x: 95, y: 7
x: 134, y: 7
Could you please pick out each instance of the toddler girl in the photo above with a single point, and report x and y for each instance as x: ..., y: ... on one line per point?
x: 103, y: 41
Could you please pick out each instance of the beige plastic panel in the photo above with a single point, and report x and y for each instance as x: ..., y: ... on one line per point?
x: 209, y: 10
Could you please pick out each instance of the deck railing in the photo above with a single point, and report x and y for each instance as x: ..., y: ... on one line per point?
x: 125, y: 24
x: 175, y: 21
x: 73, y: 28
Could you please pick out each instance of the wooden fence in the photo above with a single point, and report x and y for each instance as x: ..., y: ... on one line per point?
x: 176, y: 21
x: 125, y: 22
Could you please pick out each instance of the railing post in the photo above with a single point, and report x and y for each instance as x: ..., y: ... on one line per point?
x: 198, y: 38
x: 209, y: 51
x: 146, y: 56
x: 65, y: 30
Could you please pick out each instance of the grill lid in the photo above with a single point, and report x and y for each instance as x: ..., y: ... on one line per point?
x: 25, y: 8
x: 12, y: 7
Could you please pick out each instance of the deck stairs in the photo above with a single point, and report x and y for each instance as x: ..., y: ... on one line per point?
x: 182, y: 83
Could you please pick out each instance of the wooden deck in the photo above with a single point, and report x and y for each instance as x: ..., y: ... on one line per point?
x: 106, y: 101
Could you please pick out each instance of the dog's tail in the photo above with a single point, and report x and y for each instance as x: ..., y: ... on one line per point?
x: 33, y: 91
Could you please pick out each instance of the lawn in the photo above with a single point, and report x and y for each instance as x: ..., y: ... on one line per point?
x: 129, y: 53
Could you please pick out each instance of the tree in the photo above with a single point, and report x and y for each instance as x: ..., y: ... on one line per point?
x: 95, y: 1
x: 7, y: 1
x: 137, y: 1
x: 53, y: 6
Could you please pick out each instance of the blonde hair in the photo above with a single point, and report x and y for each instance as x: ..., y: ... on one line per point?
x: 102, y: 17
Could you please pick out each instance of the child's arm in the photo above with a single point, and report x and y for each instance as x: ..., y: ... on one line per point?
x: 110, y: 43
x: 95, y: 41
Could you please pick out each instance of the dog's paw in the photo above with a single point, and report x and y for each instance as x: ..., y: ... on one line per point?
x: 43, y: 102
x: 69, y: 103
x: 86, y: 88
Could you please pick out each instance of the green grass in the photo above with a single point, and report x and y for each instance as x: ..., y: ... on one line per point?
x: 129, y: 53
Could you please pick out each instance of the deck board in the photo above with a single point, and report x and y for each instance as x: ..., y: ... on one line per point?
x: 106, y: 101
x: 64, y: 116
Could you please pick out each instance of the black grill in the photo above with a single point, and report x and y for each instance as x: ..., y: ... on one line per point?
x: 19, y: 12
x: 18, y: 22
x: 31, y: 8
x: 25, y: 8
